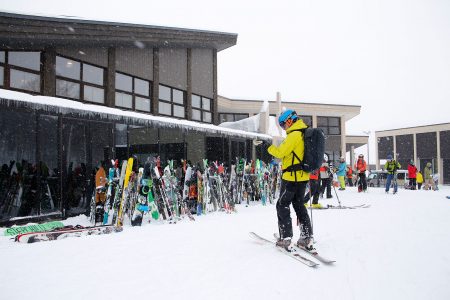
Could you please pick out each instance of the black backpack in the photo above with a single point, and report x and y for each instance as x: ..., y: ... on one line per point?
x: 314, y: 151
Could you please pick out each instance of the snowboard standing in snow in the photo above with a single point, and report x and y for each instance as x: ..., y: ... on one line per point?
x: 125, y: 192
x: 118, y: 192
x: 99, y: 197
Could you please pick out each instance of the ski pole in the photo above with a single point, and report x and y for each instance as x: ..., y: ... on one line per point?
x: 339, y: 201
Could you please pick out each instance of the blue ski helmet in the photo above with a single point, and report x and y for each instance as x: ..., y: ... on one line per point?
x: 389, y: 157
x: 286, y: 115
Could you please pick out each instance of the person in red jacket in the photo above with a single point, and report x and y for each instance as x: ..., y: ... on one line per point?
x: 350, y: 175
x: 412, y: 171
x: 361, y: 168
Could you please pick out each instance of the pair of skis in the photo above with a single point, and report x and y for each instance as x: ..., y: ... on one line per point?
x: 296, y: 253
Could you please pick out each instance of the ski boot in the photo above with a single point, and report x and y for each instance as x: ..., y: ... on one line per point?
x: 285, y: 244
x: 306, y: 243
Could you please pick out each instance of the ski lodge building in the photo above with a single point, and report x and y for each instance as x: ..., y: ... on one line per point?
x: 75, y: 94
x: 423, y: 144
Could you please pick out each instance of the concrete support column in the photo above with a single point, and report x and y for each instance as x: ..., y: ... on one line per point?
x: 394, y: 141
x: 440, y: 163
x: 352, y: 156
x: 314, y: 121
x: 415, y: 149
x: 343, y: 138
x: 377, y: 160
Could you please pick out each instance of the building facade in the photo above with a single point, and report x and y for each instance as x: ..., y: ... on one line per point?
x: 422, y: 144
x: 76, y: 94
x: 330, y: 118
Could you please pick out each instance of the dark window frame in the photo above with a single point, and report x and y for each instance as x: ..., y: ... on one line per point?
x: 234, y: 116
x: 326, y: 128
x: 172, y: 103
x: 134, y: 94
x: 82, y: 83
x: 7, y: 71
x: 202, y: 110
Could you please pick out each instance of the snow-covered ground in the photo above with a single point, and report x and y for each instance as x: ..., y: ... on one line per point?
x: 399, y: 248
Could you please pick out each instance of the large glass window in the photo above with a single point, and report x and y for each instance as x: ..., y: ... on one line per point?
x: 307, y: 120
x: 79, y: 81
x: 129, y: 89
x: 24, y: 69
x: 201, y: 109
x: 230, y: 117
x: 18, y: 175
x: 25, y: 81
x: 171, y: 102
x: 75, y: 161
x: 68, y: 68
x: 50, y: 199
x: 329, y: 125
x: 26, y: 60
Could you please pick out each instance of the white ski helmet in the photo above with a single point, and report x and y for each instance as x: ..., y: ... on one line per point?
x: 325, y: 157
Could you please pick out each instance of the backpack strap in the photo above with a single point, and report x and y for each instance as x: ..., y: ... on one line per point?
x: 293, y: 168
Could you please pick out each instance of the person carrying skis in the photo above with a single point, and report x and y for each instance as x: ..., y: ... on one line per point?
x: 391, y: 167
x: 361, y: 167
x: 341, y: 173
x: 412, y: 174
x: 293, y: 183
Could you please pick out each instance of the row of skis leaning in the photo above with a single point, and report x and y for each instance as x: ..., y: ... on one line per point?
x: 131, y: 193
x: 127, y: 196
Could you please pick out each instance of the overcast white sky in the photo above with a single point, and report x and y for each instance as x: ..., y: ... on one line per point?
x: 392, y: 57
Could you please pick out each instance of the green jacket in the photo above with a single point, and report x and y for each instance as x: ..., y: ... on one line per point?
x: 427, y: 173
x: 293, y: 142
x: 392, y: 166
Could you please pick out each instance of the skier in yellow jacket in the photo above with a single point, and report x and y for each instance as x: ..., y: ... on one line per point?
x: 293, y: 182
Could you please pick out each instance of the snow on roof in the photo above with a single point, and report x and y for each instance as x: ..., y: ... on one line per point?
x: 248, y: 124
x: 65, y: 106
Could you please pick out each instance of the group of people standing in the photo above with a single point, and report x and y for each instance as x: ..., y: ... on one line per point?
x: 416, y: 178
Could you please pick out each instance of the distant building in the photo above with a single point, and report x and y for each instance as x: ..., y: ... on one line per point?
x: 423, y: 144
x: 330, y: 117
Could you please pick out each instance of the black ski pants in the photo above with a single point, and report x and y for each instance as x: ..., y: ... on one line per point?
x: 292, y: 192
x: 325, y: 183
x: 314, y: 191
x: 362, y: 181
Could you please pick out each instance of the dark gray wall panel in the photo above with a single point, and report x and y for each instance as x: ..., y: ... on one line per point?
x: 96, y: 56
x: 405, y: 148
x: 445, y: 143
x: 173, y: 67
x: 426, y: 145
x: 202, y: 72
x: 333, y: 143
x: 135, y: 61
x: 385, y: 146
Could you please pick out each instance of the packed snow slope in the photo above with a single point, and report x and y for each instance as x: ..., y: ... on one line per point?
x: 399, y: 248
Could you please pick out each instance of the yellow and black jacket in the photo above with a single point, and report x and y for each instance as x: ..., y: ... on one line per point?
x: 293, y: 143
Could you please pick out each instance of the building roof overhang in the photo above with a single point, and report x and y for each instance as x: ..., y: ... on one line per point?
x: 17, y: 30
